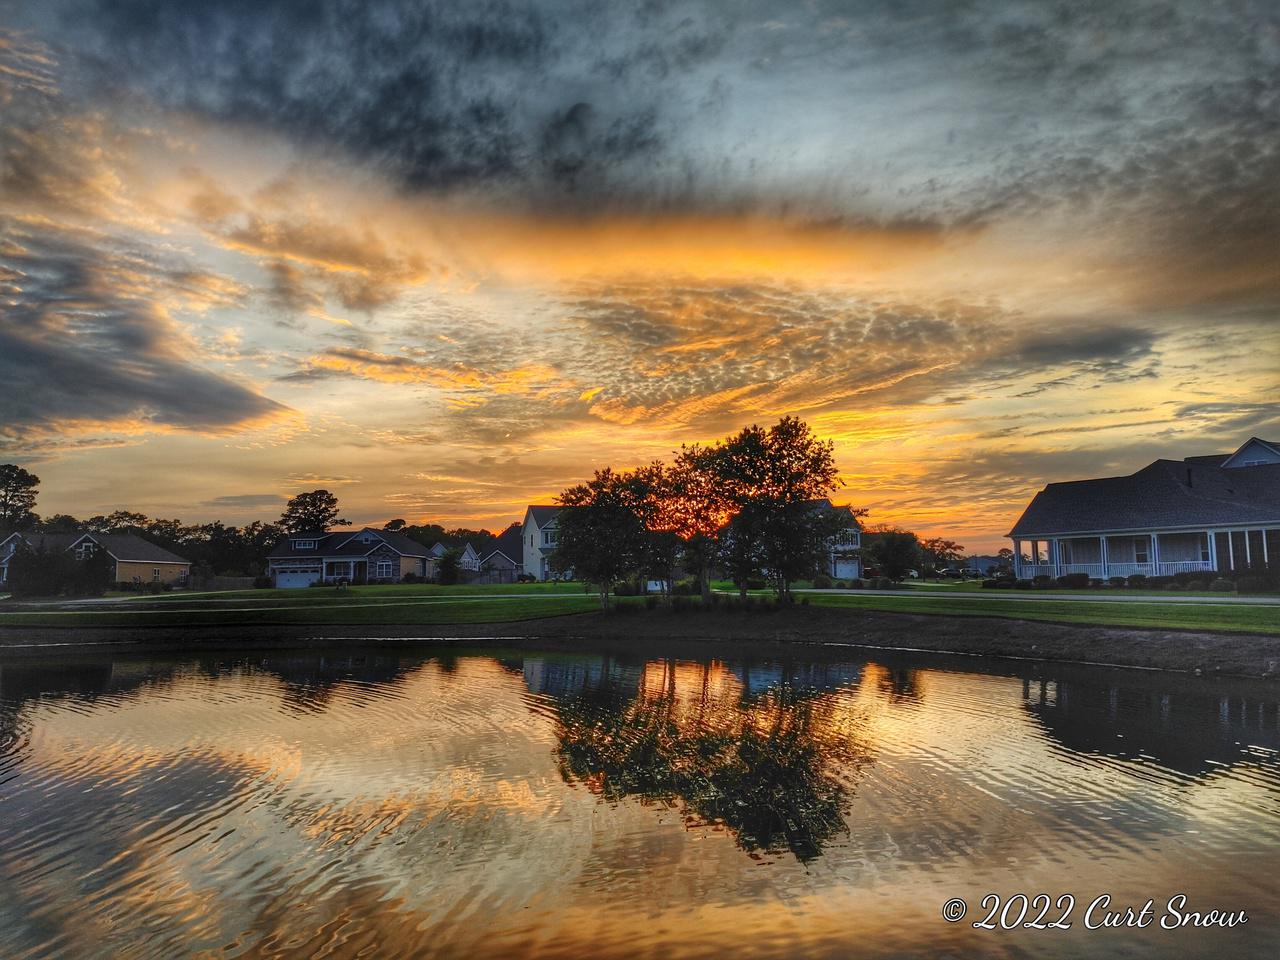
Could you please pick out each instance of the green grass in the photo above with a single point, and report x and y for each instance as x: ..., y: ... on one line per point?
x: 370, y: 612
x: 1238, y: 618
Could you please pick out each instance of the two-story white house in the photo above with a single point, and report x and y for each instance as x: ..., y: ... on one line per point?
x: 538, y: 539
x: 1201, y: 514
x: 843, y: 560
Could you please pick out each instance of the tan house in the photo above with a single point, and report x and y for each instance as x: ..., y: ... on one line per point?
x: 137, y: 561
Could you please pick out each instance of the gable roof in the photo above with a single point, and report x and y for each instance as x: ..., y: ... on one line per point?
x: 1268, y: 446
x: 346, y: 543
x: 511, y: 543
x: 825, y: 503
x: 1165, y: 494
x: 542, y: 513
x: 498, y: 553
x: 121, y: 546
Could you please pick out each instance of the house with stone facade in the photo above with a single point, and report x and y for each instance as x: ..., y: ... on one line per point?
x: 1197, y: 515
x: 360, y: 556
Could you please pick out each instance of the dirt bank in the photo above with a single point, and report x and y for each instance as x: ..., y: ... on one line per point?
x: 1210, y: 653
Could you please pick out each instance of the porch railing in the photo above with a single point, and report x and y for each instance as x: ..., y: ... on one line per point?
x: 1103, y: 570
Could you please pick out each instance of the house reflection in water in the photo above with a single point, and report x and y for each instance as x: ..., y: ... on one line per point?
x: 1179, y: 724
x: 752, y: 748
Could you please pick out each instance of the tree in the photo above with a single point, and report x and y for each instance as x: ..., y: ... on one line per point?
x: 394, y: 526
x: 312, y: 512
x: 119, y: 521
x: 59, y: 523
x: 895, y: 552
x: 601, y: 535
x: 773, y: 478
x: 939, y: 550
x: 696, y: 507
x: 450, y: 564
x: 17, y: 497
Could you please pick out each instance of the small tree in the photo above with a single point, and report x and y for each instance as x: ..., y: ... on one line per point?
x: 40, y: 572
x: 312, y: 512
x: 895, y: 552
x: 450, y: 564
x: 938, y: 550
x: 17, y: 497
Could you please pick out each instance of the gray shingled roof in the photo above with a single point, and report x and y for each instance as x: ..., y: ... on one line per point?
x: 542, y: 513
x: 1166, y: 494
x: 346, y: 543
x: 121, y: 546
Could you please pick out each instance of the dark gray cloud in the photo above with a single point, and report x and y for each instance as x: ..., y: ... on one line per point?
x: 86, y: 338
x: 246, y: 501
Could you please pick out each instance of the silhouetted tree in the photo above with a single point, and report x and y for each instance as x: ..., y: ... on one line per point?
x: 314, y: 511
x: 17, y: 497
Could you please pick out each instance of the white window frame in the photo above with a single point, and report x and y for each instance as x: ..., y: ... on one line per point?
x: 1141, y: 549
x: 155, y: 574
x: 384, y: 570
x: 304, y: 544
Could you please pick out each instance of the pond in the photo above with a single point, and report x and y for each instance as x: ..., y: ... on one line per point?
x: 488, y: 802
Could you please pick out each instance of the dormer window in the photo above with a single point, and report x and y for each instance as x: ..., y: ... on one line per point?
x: 304, y: 544
x: 85, y: 549
x: 367, y: 538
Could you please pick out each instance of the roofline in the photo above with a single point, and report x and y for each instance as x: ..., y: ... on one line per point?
x: 499, y: 553
x: 1266, y: 444
x: 105, y: 549
x: 1151, y: 528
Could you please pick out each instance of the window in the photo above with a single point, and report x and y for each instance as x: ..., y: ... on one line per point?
x: 155, y: 574
x: 304, y: 544
x: 548, y: 537
x: 367, y: 538
x: 85, y: 549
x: 384, y: 570
x: 1204, y: 547
x: 1141, y: 549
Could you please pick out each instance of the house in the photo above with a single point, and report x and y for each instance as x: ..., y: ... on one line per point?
x: 843, y: 559
x: 503, y: 563
x: 468, y: 556
x: 360, y: 556
x: 1201, y: 514
x: 981, y: 564
x: 538, y: 539
x: 136, y: 560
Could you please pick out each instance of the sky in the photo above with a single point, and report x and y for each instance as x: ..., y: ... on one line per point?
x: 446, y: 259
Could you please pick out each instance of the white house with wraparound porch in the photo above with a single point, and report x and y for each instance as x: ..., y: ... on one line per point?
x: 1198, y: 515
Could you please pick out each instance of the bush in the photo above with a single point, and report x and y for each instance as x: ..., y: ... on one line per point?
x: 1174, y: 585
x: 1254, y: 583
x: 410, y: 577
x: 1182, y: 579
x: 822, y: 582
x: 1024, y: 584
x: 689, y: 587
x: 1198, y: 585
x: 998, y: 583
x: 1042, y: 580
x: 1074, y: 581
x: 262, y: 583
x: 855, y: 584
x: 624, y: 588
x: 526, y: 578
x: 1137, y: 581
x: 754, y: 583
x: 1222, y: 586
x: 1116, y: 582
x: 1158, y: 583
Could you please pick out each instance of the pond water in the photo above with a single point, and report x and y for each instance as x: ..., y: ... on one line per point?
x: 486, y: 802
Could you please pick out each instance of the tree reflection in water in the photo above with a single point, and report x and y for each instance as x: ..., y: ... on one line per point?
x: 775, y: 769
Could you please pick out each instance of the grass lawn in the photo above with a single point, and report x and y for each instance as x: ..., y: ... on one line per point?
x: 1170, y: 616
x: 351, y: 609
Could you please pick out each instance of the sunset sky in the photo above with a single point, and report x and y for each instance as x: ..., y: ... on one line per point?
x: 445, y: 259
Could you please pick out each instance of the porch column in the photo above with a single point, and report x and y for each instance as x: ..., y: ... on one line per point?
x: 1017, y: 558
x: 1155, y: 553
x: 1248, y: 550
x: 1102, y: 543
x: 1265, y: 559
x: 1213, y: 548
x: 1053, y: 556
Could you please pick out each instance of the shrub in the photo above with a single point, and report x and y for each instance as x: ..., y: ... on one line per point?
x: 1222, y: 586
x: 1198, y: 585
x: 1115, y: 582
x: 997, y: 583
x: 1137, y: 581
x: 687, y: 588
x: 822, y: 582
x: 1042, y: 580
x: 410, y: 577
x: 262, y: 583
x: 1074, y: 581
x: 1158, y: 583
x: 1182, y: 579
x: 526, y: 578
x: 1254, y: 583
x: 1173, y: 585
x: 855, y: 584
x: 754, y: 583
x: 624, y: 588
x: 1095, y: 582
x: 1024, y: 584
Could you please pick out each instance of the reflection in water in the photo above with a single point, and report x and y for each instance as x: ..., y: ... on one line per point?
x: 772, y: 767
x: 384, y: 801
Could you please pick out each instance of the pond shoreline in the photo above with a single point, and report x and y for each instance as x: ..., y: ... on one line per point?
x: 1212, y: 654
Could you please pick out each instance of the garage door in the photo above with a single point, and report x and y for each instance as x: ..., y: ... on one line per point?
x: 297, y: 578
